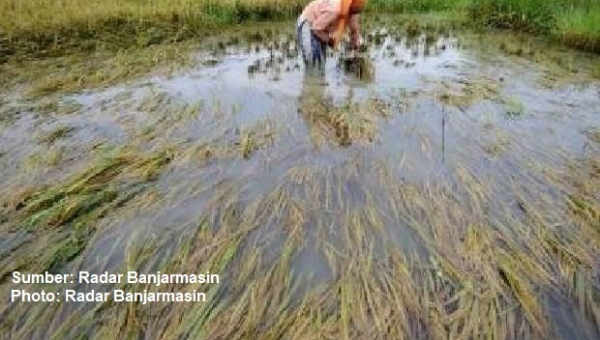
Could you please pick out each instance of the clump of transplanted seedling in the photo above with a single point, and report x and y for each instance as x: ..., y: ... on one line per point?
x: 281, y: 57
x: 359, y: 65
x: 378, y: 37
x: 596, y: 70
x: 255, y: 37
x: 514, y: 107
x: 210, y: 62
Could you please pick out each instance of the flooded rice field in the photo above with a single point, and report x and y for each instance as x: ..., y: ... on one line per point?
x: 452, y: 192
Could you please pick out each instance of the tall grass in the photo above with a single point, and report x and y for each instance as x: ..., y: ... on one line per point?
x: 574, y: 22
x: 46, y: 26
x: 409, y: 6
x: 580, y: 28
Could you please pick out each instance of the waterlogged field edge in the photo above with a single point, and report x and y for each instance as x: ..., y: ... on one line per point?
x: 52, y: 27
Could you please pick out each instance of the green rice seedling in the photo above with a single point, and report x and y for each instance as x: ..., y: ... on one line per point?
x: 596, y: 71
x: 514, y: 107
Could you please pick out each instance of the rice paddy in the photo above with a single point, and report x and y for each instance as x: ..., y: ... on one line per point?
x: 454, y: 193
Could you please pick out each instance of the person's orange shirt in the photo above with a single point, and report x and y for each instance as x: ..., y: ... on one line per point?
x: 325, y: 17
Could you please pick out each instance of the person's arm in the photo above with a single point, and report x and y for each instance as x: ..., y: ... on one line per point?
x: 354, y: 26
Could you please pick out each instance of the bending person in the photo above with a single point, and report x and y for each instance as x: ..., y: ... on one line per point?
x: 322, y: 24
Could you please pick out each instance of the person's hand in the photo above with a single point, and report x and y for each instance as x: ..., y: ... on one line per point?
x: 356, y: 43
x: 330, y: 42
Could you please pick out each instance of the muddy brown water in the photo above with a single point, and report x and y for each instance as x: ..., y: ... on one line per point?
x: 437, y: 102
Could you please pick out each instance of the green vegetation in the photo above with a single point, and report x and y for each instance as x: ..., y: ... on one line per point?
x: 414, y: 6
x: 574, y: 22
x: 580, y: 28
x: 51, y: 27
x: 48, y: 27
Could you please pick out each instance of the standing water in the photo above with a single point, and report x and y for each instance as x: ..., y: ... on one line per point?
x: 452, y: 193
